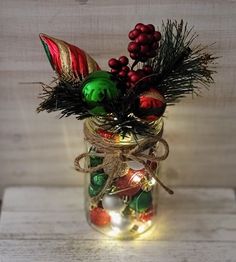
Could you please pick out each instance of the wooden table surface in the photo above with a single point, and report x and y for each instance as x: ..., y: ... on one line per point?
x: 48, y: 224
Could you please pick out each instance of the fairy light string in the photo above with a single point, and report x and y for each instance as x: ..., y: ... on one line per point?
x: 118, y: 155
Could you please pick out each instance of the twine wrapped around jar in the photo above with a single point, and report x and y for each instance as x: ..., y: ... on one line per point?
x: 116, y: 155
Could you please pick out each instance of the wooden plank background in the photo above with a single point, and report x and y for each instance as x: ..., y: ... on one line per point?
x: 40, y: 149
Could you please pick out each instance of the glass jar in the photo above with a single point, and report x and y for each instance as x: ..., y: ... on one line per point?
x: 121, y: 196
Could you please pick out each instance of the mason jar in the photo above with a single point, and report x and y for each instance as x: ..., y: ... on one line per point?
x: 121, y: 189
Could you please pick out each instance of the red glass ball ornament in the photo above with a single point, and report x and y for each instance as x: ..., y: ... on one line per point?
x: 150, y: 105
x: 99, y: 217
x: 129, y: 184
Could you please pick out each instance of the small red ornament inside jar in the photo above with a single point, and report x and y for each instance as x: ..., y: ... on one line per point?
x: 130, y: 184
x: 150, y: 105
x: 146, y: 216
x: 105, y: 134
x: 99, y: 217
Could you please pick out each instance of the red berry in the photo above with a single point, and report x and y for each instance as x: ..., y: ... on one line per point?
x: 151, y: 54
x: 140, y: 72
x: 122, y: 74
x: 142, y: 39
x: 144, y: 49
x: 138, y: 26
x: 151, y: 27
x: 133, y: 47
x: 155, y: 45
x: 134, y: 78
x: 114, y: 63
x: 125, y: 68
x: 131, y: 72
x: 131, y: 35
x: 150, y: 38
x: 147, y: 69
x: 114, y: 71
x: 136, y: 33
x: 134, y: 56
x: 145, y: 29
x: 124, y: 60
x: 157, y: 36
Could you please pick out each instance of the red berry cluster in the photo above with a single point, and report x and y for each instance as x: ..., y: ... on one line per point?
x: 135, y: 76
x: 119, y: 67
x: 145, y: 42
x: 144, y: 46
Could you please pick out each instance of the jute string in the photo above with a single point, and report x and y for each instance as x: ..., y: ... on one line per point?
x: 117, y: 155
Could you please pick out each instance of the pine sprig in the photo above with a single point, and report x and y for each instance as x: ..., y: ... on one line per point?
x: 179, y: 68
x: 65, y: 97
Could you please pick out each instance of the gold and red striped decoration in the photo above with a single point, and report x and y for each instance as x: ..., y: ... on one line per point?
x: 67, y: 60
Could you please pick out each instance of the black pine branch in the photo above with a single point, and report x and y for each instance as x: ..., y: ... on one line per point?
x: 179, y: 68
x: 64, y: 97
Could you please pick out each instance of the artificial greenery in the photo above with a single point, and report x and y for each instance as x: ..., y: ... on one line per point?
x: 179, y: 68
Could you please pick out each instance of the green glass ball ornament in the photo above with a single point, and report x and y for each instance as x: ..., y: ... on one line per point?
x: 95, y: 161
x: 141, y: 202
x: 94, y: 190
x: 97, y: 89
x: 98, y: 179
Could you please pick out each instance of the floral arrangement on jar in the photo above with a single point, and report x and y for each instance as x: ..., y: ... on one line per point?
x: 123, y: 110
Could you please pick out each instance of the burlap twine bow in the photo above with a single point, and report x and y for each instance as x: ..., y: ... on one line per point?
x: 116, y: 155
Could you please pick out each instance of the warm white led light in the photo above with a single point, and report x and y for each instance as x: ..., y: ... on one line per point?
x: 153, y: 181
x: 143, y: 227
x: 115, y: 217
x: 136, y: 179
